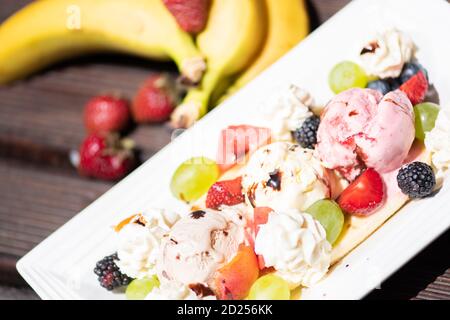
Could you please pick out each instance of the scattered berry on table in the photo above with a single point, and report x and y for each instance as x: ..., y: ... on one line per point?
x: 306, y: 135
x: 416, y: 88
x: 416, y: 180
x: 155, y: 100
x: 106, y: 114
x: 382, y: 86
x: 109, y: 274
x: 106, y: 156
x: 410, y: 69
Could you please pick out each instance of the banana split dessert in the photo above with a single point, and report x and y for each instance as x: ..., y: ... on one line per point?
x: 288, y: 198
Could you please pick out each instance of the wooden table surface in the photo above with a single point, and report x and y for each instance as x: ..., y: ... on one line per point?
x: 40, y: 122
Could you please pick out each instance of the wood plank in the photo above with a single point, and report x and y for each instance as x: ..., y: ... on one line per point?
x: 34, y: 204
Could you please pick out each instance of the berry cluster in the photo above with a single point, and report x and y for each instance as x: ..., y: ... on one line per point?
x: 413, y: 81
x: 107, y: 117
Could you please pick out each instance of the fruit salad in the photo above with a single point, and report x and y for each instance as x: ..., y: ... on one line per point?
x: 285, y: 201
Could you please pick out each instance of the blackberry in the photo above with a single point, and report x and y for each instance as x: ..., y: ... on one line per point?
x: 306, y: 135
x: 109, y: 274
x: 416, y: 180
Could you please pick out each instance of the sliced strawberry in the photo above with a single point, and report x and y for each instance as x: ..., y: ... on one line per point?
x: 260, y: 216
x: 416, y: 88
x: 236, y: 141
x: 227, y: 192
x: 191, y: 15
x: 364, y: 195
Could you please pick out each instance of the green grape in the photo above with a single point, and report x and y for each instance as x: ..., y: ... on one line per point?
x: 426, y: 114
x: 270, y: 287
x: 330, y: 216
x: 193, y: 178
x: 138, y: 289
x: 346, y: 75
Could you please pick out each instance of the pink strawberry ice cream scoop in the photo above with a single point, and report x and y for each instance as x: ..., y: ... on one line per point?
x: 361, y: 128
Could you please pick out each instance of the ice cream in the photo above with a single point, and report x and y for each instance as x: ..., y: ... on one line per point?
x: 295, y: 244
x: 200, y: 243
x: 438, y: 142
x: 171, y: 290
x: 385, y: 54
x: 139, y: 241
x: 285, y: 111
x: 361, y: 128
x: 282, y: 175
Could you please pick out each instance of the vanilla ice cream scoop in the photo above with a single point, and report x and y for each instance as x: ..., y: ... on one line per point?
x: 283, y: 176
x: 171, y: 290
x: 360, y: 128
x: 199, y: 244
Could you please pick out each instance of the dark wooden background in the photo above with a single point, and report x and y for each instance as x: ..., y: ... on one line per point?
x: 40, y: 122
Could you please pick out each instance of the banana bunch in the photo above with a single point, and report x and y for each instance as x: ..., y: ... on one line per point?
x: 47, y: 31
x: 241, y: 39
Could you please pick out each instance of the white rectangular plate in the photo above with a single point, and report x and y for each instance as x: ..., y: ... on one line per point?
x: 61, y: 266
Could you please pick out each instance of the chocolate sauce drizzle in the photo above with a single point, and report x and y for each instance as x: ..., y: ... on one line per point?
x: 201, y: 290
x: 370, y: 48
x: 275, y: 180
x: 198, y: 214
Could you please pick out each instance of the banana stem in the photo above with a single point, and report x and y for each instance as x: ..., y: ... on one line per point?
x: 189, y: 60
x: 195, y: 104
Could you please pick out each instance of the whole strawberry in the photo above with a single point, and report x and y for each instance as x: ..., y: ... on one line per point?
x: 106, y: 114
x: 227, y: 192
x: 155, y: 100
x: 191, y: 15
x: 105, y: 157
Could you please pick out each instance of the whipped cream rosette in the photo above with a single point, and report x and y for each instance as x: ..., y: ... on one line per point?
x: 139, y: 242
x: 437, y: 141
x: 286, y: 110
x: 295, y: 244
x: 384, y: 55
